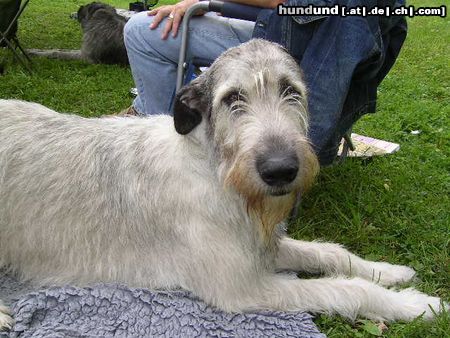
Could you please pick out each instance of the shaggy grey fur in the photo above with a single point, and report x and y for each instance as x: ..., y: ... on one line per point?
x: 102, y: 34
x: 190, y: 201
x: 102, y: 37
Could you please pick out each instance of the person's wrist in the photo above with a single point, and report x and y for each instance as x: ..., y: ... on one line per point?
x: 275, y: 3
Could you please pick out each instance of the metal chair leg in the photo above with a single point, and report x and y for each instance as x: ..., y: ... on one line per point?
x: 22, y: 61
x: 203, y: 5
x: 3, y: 38
x: 346, y: 147
x: 348, y: 140
x: 16, y: 17
x: 16, y: 41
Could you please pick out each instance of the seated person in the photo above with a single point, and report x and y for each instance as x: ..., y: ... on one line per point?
x: 153, y: 43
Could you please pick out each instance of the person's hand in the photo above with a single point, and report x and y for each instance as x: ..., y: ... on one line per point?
x: 175, y: 15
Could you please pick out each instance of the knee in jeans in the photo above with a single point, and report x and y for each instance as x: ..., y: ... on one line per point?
x: 134, y: 25
x: 128, y: 30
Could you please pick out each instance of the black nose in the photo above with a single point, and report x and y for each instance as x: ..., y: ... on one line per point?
x: 277, y: 170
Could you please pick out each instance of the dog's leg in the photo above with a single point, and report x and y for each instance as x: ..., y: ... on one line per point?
x: 330, y: 258
x: 61, y: 54
x: 349, y: 298
x: 6, y: 321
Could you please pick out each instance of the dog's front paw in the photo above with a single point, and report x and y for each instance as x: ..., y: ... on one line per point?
x: 6, y: 321
x: 414, y: 303
x: 388, y: 274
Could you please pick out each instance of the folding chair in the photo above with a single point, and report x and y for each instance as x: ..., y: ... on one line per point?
x: 10, y: 11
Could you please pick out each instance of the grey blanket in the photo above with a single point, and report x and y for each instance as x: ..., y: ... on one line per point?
x: 107, y: 310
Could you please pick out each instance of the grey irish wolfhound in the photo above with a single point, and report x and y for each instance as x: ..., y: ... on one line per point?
x: 102, y: 34
x: 196, y: 201
x: 102, y: 37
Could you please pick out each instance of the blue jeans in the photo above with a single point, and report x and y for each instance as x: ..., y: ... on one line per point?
x: 154, y: 61
x: 343, y: 59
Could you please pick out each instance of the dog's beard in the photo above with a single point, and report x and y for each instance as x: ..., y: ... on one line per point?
x: 264, y: 208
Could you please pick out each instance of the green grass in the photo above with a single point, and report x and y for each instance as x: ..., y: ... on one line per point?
x: 394, y: 208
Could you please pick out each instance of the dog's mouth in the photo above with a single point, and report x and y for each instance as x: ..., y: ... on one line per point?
x: 277, y: 192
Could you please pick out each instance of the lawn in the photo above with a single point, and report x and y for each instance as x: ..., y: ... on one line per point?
x: 394, y: 208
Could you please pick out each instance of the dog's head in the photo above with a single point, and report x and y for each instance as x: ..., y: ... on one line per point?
x: 86, y: 12
x: 251, y: 105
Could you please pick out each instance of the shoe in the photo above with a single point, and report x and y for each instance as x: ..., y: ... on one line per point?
x: 130, y: 111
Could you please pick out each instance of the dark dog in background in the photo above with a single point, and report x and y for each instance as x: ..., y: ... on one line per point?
x: 102, y: 34
x: 102, y: 37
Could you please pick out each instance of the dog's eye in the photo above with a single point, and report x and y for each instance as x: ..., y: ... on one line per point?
x: 287, y: 90
x: 233, y: 97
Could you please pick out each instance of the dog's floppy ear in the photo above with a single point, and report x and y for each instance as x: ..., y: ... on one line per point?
x: 81, y: 13
x: 190, y: 104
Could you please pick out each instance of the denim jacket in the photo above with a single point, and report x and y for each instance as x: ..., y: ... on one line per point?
x: 343, y: 59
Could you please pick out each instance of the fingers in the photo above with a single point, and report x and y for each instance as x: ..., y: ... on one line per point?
x: 174, y: 18
x: 167, y: 27
x: 177, y: 18
x: 165, y: 8
x: 153, y: 11
x: 159, y: 14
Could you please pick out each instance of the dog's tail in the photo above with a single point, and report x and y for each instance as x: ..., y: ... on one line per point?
x: 6, y: 321
x: 62, y: 54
